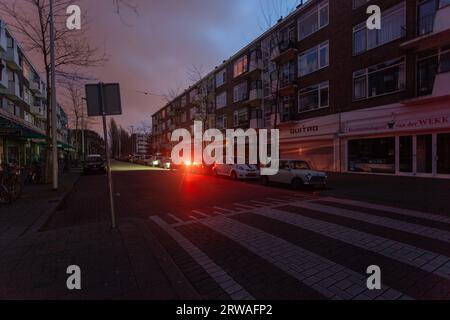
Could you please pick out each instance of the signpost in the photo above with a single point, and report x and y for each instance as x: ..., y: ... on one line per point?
x: 104, y: 100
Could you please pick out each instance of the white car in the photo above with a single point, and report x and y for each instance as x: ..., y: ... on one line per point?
x: 297, y: 173
x: 237, y: 171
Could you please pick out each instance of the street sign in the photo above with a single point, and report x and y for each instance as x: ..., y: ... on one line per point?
x: 104, y: 100
x: 109, y: 93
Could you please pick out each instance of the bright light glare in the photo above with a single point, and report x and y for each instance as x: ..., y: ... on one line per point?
x: 188, y: 163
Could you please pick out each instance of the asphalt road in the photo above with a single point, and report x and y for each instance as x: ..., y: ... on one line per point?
x: 239, y: 240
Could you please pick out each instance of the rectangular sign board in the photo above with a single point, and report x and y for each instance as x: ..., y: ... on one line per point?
x: 110, y: 93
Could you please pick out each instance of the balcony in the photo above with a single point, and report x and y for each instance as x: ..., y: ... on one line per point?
x: 254, y: 98
x: 12, y: 59
x: 3, y: 42
x: 255, y: 65
x: 13, y: 91
x: 35, y: 86
x: 288, y: 86
x: 257, y: 123
x: 285, y: 52
x: 440, y: 92
x: 433, y: 31
x: 3, y: 80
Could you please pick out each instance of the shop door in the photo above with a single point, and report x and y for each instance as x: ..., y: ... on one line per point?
x: 416, y: 155
x: 424, y: 154
x: 443, y: 154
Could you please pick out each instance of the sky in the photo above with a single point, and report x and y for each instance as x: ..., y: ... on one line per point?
x: 152, y: 51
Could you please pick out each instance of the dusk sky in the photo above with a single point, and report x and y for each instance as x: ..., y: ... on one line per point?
x: 153, y: 51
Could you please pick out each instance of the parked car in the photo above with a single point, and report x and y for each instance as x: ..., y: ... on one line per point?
x: 165, y: 163
x: 236, y: 171
x: 94, y: 163
x: 297, y: 173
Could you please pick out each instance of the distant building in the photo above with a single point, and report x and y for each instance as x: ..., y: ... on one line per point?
x: 141, y: 143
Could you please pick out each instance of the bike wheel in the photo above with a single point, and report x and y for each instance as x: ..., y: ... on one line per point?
x: 4, y: 196
x: 16, y: 190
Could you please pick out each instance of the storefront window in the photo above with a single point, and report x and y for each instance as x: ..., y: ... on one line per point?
x: 372, y: 155
x: 443, y: 153
x: 406, y: 154
x: 425, y: 154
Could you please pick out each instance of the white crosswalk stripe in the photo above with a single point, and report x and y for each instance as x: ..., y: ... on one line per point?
x: 417, y: 257
x: 306, y: 266
x: 384, y: 222
x: 407, y: 212
x: 223, y: 279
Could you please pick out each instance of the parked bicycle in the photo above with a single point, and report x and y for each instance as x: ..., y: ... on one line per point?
x: 10, y: 184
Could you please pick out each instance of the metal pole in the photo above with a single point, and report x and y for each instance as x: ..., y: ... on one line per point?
x: 108, y: 162
x: 82, y: 135
x: 53, y: 100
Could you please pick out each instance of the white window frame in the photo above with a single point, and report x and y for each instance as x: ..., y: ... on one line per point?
x: 318, y: 88
x: 240, y: 66
x: 318, y: 49
x: 221, y: 77
x: 365, y: 72
x: 240, y: 92
x: 363, y: 27
x: 315, y: 11
x: 218, y: 97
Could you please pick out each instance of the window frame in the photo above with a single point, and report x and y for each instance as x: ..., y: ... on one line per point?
x: 317, y: 87
x: 314, y: 11
x: 365, y: 73
x: 319, y: 47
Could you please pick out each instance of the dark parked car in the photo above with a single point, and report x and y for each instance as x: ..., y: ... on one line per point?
x: 94, y: 163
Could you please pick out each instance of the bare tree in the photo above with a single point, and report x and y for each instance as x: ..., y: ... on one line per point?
x: 273, y: 11
x: 30, y: 21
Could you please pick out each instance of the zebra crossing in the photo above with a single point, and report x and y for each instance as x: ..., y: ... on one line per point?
x: 320, y: 247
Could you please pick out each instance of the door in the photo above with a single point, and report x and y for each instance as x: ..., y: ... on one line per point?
x: 443, y: 153
x: 424, y: 154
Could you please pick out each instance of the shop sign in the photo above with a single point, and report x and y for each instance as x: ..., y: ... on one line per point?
x: 304, y: 130
x: 421, y: 123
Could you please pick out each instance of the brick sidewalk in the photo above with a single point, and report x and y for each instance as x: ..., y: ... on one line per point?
x: 127, y: 263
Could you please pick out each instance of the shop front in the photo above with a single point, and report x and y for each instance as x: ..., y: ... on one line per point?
x: 18, y: 143
x: 314, y: 140
x: 398, y: 140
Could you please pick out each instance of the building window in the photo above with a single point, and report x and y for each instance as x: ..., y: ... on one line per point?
x: 221, y: 122
x: 240, y: 117
x: 221, y: 100
x: 240, y: 92
x: 240, y: 66
x: 183, y: 101
x: 372, y: 155
x: 393, y: 21
x: 313, y: 21
x: 359, y: 3
x: 313, y: 59
x: 385, y: 78
x: 221, y: 78
x: 427, y: 69
x: 313, y: 97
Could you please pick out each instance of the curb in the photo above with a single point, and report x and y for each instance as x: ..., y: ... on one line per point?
x: 180, y: 283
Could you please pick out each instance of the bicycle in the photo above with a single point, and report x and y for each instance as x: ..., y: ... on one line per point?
x: 10, y: 185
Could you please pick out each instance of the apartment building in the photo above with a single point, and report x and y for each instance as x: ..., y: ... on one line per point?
x: 23, y: 106
x: 344, y: 98
x: 141, y: 144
